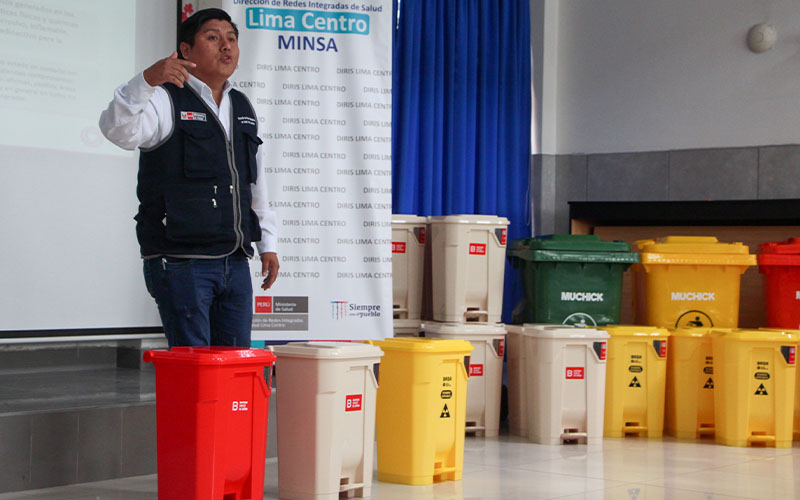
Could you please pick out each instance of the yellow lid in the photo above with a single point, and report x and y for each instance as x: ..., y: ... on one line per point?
x: 422, y: 345
x: 702, y: 250
x: 690, y: 332
x: 634, y: 331
x: 761, y: 335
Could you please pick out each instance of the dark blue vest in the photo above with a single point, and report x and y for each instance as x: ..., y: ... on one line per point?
x: 194, y: 188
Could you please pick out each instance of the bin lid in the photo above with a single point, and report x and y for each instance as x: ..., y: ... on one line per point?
x: 565, y: 332
x: 760, y: 335
x: 213, y: 355
x: 422, y: 345
x: 528, y: 326
x: 465, y: 329
x: 408, y: 219
x: 634, y: 331
x: 327, y: 350
x: 780, y: 253
x: 572, y: 248
x: 695, y: 332
x: 468, y: 219
x: 700, y: 250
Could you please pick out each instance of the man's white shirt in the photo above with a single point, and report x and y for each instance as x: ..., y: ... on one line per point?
x: 141, y: 116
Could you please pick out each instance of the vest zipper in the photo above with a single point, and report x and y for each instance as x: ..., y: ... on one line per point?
x: 237, y: 213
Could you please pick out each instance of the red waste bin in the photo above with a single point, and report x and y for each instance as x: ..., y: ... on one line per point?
x: 779, y: 262
x: 211, y: 409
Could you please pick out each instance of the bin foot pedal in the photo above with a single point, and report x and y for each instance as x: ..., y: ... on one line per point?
x: 473, y: 427
x: 345, y: 487
x: 476, y: 315
x: 633, y: 429
x: 573, y: 436
x: 760, y: 439
x: 705, y: 430
x: 399, y: 312
x: 441, y: 474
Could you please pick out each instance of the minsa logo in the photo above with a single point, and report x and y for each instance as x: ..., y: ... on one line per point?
x: 240, y: 406
x: 398, y: 247
x: 477, y: 249
x: 575, y: 372
x: 581, y: 296
x: 193, y: 116
x: 264, y: 305
x: 353, y: 403
x: 693, y: 296
x: 476, y: 370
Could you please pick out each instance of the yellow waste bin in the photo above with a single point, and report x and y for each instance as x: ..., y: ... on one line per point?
x: 689, y: 408
x: 754, y: 387
x: 796, y: 426
x: 689, y: 282
x: 635, y: 380
x: 421, y: 409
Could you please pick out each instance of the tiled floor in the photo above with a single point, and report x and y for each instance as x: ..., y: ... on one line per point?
x: 511, y: 468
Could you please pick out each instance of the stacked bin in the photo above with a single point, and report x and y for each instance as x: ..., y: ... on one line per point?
x: 779, y: 262
x: 566, y: 376
x: 517, y: 379
x: 754, y: 387
x: 571, y: 279
x: 408, y: 259
x: 689, y: 410
x: 689, y: 282
x: 635, y: 381
x: 421, y: 410
x: 211, y: 410
x: 326, y: 419
x: 485, y: 371
x: 468, y: 262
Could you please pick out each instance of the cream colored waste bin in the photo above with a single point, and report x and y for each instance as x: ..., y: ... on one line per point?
x: 408, y: 262
x: 517, y: 382
x: 326, y: 394
x: 566, y: 380
x: 485, y: 371
x: 468, y: 264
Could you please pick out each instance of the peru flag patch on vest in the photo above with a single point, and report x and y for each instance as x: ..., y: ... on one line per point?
x: 193, y: 115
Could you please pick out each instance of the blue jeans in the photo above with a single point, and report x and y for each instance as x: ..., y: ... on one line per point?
x: 202, y: 301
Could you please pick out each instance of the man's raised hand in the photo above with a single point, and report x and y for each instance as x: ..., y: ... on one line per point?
x: 170, y: 69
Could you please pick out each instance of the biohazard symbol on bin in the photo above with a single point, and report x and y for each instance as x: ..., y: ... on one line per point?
x: 445, y: 412
x: 635, y: 382
x: 709, y: 384
x: 761, y: 391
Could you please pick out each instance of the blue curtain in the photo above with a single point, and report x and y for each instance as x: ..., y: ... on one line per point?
x: 461, y: 119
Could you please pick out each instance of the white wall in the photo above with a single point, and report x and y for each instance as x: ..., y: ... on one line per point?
x: 638, y: 75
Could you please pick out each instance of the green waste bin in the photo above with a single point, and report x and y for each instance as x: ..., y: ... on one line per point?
x: 571, y: 279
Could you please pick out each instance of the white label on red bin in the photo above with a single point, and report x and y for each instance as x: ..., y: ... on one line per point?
x: 240, y: 406
x: 398, y: 247
x: 353, y: 403
x: 791, y: 355
x: 501, y: 348
x: 575, y: 372
x: 476, y: 370
x: 503, y: 236
x: 477, y: 249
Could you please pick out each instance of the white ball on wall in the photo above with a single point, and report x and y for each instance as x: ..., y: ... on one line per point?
x: 761, y: 37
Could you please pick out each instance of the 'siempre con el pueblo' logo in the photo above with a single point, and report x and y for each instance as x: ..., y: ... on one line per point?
x: 341, y: 309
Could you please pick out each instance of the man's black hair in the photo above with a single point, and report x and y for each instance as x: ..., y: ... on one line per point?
x: 193, y: 23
